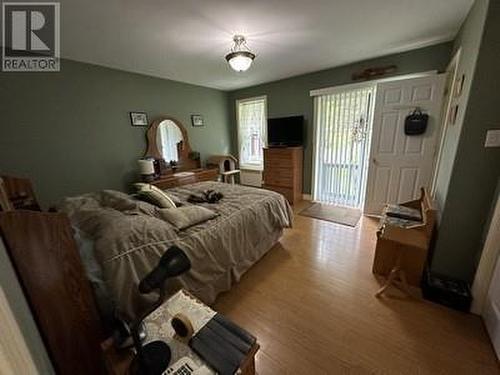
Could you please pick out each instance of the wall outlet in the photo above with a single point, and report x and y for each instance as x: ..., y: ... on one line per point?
x: 492, y: 138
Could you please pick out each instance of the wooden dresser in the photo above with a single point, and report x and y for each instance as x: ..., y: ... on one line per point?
x: 283, y: 171
x: 184, y: 178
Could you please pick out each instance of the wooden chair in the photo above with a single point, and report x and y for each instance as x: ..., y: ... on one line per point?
x: 5, y: 203
x: 17, y: 194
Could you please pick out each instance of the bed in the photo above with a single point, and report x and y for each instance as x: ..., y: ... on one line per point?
x: 127, y: 237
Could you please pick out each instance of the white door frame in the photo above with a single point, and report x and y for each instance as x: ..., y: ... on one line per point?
x: 336, y: 89
x: 452, y: 69
x: 489, y: 256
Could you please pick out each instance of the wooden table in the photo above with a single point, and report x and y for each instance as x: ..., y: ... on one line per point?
x: 158, y: 327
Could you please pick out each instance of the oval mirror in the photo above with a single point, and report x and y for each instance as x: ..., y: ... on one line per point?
x: 169, y: 140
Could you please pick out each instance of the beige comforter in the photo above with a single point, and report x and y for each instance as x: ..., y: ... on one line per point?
x: 129, y: 238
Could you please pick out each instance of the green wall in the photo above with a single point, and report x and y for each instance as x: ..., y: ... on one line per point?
x: 70, y: 131
x: 476, y: 169
x: 468, y: 41
x: 291, y: 96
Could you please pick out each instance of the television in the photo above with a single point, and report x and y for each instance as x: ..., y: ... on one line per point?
x: 285, y: 131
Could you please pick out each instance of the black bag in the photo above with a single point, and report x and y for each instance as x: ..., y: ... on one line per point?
x: 416, y: 122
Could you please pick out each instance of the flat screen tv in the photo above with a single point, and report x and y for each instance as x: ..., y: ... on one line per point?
x: 285, y: 131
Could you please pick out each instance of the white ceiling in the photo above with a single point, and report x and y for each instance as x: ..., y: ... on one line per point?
x: 187, y: 40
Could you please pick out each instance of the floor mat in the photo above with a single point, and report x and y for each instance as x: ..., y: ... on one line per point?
x: 337, y: 214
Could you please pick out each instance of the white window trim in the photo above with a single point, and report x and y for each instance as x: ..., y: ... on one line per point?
x: 246, y: 166
x: 352, y: 86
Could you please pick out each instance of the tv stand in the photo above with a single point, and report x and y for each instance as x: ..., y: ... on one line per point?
x: 283, y: 171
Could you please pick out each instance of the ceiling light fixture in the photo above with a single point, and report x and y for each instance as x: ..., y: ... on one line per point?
x: 240, y: 58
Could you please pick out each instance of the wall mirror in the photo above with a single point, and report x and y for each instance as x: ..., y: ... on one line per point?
x: 168, y: 140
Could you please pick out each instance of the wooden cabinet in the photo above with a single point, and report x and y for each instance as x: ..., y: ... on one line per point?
x: 185, y: 178
x: 406, y: 247
x: 410, y: 246
x: 283, y: 171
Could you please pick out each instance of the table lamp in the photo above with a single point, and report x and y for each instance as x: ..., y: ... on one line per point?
x: 146, y: 169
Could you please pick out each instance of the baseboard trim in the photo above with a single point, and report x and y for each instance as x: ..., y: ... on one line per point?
x: 307, y: 197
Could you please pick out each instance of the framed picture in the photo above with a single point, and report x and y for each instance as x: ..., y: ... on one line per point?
x: 139, y: 118
x: 197, y: 120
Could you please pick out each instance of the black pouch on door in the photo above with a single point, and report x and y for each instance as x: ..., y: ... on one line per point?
x: 416, y: 122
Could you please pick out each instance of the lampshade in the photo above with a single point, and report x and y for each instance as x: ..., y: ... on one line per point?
x: 146, y: 166
x: 240, y: 58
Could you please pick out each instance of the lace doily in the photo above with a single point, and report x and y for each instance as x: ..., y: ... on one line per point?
x: 158, y: 324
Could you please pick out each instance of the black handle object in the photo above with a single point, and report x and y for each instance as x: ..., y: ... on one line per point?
x: 172, y: 263
x: 416, y: 122
x: 154, y: 358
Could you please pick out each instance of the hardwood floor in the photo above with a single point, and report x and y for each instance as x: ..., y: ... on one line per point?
x: 310, y: 301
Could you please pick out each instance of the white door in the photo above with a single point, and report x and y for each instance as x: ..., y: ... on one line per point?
x: 491, y: 309
x: 401, y: 164
x: 491, y: 312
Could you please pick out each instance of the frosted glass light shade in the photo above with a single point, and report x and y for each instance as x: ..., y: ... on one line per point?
x: 146, y: 166
x: 240, y: 61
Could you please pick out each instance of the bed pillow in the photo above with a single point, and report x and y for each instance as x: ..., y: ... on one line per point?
x: 154, y: 195
x: 187, y: 216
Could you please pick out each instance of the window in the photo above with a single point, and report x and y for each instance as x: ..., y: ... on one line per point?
x: 252, y: 119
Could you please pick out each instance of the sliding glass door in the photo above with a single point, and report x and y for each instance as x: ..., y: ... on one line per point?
x: 342, y: 120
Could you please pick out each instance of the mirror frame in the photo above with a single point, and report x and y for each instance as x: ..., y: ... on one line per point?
x: 184, y: 162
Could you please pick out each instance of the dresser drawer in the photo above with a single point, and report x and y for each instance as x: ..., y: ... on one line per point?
x: 208, y: 175
x: 174, y: 182
x: 198, y: 175
x: 281, y: 153
x: 278, y: 176
x: 277, y: 163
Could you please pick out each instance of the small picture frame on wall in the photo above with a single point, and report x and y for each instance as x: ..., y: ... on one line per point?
x: 139, y: 118
x: 197, y: 120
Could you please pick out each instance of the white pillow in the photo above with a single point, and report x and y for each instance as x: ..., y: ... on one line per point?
x: 187, y: 216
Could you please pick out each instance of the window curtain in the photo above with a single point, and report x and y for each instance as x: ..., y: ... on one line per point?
x: 342, y: 141
x: 252, y: 132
